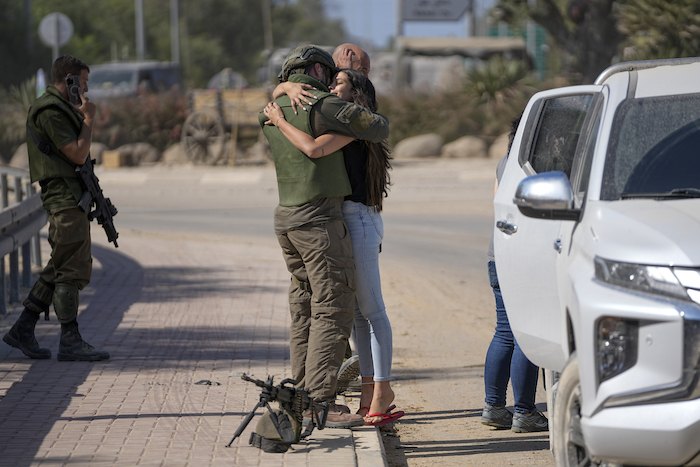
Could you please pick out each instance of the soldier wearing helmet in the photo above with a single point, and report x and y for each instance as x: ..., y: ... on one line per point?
x: 310, y: 228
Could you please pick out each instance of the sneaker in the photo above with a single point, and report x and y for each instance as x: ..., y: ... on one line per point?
x: 500, y: 417
x: 355, y: 385
x: 349, y: 371
x: 337, y: 418
x: 530, y: 423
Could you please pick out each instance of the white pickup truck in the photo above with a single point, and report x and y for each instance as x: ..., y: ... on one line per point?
x: 597, y: 243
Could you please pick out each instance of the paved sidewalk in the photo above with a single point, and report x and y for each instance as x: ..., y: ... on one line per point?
x: 182, y: 317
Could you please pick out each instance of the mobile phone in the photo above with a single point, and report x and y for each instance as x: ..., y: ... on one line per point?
x: 73, y: 88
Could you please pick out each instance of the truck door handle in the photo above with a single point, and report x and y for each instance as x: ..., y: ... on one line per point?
x: 506, y: 227
x: 558, y: 245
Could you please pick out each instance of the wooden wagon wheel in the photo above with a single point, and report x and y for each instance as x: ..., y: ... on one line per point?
x: 203, y: 138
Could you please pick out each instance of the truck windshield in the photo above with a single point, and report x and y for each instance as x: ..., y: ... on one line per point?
x: 654, y: 149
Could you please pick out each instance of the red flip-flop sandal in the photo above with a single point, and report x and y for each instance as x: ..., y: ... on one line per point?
x: 386, y: 418
x: 388, y: 411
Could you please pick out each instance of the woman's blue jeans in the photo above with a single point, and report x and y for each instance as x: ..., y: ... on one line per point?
x: 373, y: 338
x: 505, y: 360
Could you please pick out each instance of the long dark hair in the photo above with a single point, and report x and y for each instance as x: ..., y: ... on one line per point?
x: 377, y: 174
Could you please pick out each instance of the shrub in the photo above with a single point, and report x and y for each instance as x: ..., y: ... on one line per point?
x: 491, y: 96
x: 14, y: 106
x: 156, y: 119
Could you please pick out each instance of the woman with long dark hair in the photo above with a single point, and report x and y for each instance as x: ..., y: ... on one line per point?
x: 368, y: 167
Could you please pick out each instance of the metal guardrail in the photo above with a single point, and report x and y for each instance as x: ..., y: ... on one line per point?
x: 20, y: 224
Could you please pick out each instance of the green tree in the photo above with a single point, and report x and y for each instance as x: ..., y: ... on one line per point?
x: 661, y: 28
x: 591, y: 34
x: 585, y: 31
x: 295, y: 23
x: 214, y: 34
x: 17, y: 53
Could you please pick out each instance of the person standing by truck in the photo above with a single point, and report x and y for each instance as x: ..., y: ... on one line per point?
x: 505, y: 360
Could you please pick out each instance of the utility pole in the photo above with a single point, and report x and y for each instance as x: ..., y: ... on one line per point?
x: 174, y: 32
x: 30, y: 27
x: 140, y: 39
x: 398, y: 47
x: 267, y: 25
x: 472, y: 18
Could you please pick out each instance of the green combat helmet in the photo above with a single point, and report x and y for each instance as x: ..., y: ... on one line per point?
x: 303, y: 56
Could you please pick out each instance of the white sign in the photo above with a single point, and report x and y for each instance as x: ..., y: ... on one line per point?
x: 434, y: 10
x: 55, y: 29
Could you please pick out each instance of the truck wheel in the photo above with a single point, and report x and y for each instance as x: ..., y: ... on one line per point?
x: 569, y: 445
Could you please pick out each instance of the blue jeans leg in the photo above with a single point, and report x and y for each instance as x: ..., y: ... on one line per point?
x: 373, y: 336
x: 506, y: 361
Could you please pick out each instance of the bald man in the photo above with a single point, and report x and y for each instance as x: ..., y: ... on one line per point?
x: 351, y: 56
x: 345, y: 56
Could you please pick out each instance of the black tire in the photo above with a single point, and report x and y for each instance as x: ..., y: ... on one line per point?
x: 569, y: 445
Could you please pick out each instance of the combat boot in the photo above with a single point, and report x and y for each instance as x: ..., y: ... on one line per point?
x: 72, y: 346
x: 21, y: 336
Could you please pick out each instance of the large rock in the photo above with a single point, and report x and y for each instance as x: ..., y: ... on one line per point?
x: 499, y: 147
x: 175, y: 155
x: 428, y: 145
x: 139, y: 153
x: 466, y: 146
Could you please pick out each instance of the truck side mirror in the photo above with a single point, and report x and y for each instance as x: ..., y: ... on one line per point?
x: 547, y: 195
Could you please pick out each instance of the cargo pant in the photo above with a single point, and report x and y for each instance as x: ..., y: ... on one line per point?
x: 70, y: 263
x: 317, y: 249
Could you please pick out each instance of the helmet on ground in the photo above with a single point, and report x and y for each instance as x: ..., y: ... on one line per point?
x: 303, y: 56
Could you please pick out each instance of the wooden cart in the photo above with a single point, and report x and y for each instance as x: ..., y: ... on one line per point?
x: 218, y: 117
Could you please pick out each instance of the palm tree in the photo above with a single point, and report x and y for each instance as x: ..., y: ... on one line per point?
x: 13, y: 117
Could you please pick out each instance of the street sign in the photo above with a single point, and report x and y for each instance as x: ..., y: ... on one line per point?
x: 434, y: 10
x: 55, y: 29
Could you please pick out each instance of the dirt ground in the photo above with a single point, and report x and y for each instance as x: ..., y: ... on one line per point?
x: 441, y: 335
x: 442, y: 323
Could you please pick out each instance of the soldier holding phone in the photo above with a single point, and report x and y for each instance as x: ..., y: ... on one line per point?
x: 67, y: 128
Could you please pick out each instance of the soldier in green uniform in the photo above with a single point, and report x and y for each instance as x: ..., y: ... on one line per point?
x: 68, y: 130
x: 310, y: 228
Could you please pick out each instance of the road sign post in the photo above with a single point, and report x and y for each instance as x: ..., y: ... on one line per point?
x: 55, y: 30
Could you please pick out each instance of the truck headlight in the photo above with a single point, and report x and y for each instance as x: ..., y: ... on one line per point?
x: 659, y: 280
x: 616, y: 346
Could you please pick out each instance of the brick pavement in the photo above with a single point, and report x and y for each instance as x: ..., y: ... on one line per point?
x: 173, y: 312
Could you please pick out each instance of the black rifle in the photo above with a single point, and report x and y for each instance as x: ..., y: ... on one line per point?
x: 289, y: 398
x: 104, y: 209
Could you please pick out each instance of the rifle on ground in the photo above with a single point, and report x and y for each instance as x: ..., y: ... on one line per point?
x: 294, y: 401
x: 104, y: 209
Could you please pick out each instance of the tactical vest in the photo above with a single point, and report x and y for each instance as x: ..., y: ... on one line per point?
x: 301, y: 179
x: 42, y: 166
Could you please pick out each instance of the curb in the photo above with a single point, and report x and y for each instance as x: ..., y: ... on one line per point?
x: 369, y: 447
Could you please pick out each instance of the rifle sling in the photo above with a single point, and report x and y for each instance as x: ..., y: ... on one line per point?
x: 44, y: 146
